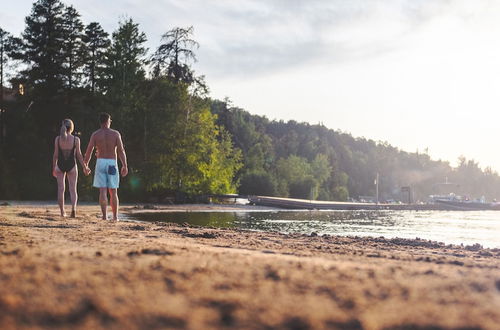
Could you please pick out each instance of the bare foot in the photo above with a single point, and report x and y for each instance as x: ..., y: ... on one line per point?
x: 73, y: 214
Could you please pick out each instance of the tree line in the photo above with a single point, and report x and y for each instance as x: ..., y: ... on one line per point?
x: 64, y: 68
x: 180, y: 142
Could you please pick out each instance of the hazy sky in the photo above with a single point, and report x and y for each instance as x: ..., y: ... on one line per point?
x: 416, y: 73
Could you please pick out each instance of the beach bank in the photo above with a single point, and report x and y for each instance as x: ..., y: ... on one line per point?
x: 89, y: 273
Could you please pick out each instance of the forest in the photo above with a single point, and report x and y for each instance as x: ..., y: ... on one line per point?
x: 180, y: 142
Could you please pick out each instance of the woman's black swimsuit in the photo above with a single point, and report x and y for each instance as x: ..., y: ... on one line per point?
x: 67, y: 161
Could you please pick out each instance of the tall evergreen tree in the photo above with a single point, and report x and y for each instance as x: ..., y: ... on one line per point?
x: 174, y: 54
x: 126, y: 58
x: 96, y: 45
x: 73, y: 49
x: 8, y: 46
x: 43, y: 40
x: 6, y: 42
x: 124, y: 77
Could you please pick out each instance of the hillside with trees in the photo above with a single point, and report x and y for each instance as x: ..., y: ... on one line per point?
x: 180, y: 142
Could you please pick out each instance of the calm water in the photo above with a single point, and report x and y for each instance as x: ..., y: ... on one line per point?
x: 454, y: 227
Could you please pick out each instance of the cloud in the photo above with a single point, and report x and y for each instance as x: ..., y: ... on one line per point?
x: 259, y: 37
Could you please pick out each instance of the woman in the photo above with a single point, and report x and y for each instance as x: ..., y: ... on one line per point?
x: 66, y: 149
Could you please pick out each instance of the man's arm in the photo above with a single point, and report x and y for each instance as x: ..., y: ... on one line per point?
x: 90, y: 150
x: 121, y: 154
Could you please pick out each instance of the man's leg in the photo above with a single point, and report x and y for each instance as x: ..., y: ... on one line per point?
x: 103, y: 201
x: 113, y: 195
x: 61, y: 177
x: 72, y: 179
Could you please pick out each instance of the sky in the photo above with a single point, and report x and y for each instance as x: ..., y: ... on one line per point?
x: 418, y: 74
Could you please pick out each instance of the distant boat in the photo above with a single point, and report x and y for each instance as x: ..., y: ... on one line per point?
x: 453, y: 201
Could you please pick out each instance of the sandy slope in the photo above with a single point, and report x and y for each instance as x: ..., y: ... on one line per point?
x: 87, y: 273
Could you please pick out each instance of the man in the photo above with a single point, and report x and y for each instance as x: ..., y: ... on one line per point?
x: 108, y: 143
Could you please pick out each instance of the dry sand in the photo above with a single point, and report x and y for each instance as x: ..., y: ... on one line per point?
x: 88, y: 273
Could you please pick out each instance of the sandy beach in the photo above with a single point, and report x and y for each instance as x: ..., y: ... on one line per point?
x: 88, y: 273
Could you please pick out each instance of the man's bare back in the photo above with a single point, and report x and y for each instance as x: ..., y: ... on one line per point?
x: 106, y: 141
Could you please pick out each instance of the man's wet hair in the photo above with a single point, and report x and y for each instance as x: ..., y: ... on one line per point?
x: 103, y: 117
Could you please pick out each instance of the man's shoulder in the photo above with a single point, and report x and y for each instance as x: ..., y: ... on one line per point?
x: 115, y: 131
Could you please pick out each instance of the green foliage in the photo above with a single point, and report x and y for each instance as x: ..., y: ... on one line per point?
x: 125, y: 62
x: 6, y: 45
x: 43, y: 39
x: 184, y: 149
x: 73, y: 47
x: 172, y: 57
x: 258, y: 183
x: 300, y: 178
x: 340, y: 193
x: 96, y: 45
x: 305, y: 188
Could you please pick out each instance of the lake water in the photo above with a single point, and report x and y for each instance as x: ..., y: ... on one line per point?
x: 450, y: 227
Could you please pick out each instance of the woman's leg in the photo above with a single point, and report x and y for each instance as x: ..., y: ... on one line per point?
x: 61, y: 176
x: 72, y: 182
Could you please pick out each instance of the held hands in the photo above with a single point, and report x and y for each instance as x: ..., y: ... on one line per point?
x: 124, y: 171
x: 86, y: 169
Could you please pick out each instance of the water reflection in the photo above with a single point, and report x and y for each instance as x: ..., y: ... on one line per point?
x: 450, y: 227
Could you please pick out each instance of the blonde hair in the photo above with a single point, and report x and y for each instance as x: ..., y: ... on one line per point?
x: 67, y: 127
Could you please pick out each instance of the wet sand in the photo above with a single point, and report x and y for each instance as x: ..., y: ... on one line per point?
x: 88, y: 273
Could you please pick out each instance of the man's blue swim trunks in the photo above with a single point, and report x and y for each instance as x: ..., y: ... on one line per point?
x: 106, y: 173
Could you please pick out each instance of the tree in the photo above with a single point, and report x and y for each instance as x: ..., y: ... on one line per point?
x: 6, y: 45
x: 96, y: 45
x: 190, y: 154
x: 73, y: 50
x: 174, y: 54
x: 258, y: 183
x: 125, y: 59
x: 5, y: 41
x: 43, y: 40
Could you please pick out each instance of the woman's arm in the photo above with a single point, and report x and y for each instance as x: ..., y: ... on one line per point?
x: 55, y: 157
x: 79, y: 155
x: 79, y: 152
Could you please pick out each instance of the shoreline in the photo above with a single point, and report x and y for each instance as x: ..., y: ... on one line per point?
x: 87, y: 273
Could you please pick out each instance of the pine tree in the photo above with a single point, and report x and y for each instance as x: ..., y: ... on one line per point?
x: 124, y: 76
x: 6, y: 43
x: 125, y: 59
x: 172, y: 57
x: 73, y: 50
x: 43, y: 41
x: 96, y: 46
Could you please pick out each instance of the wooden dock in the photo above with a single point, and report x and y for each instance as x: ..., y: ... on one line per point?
x: 298, y: 204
